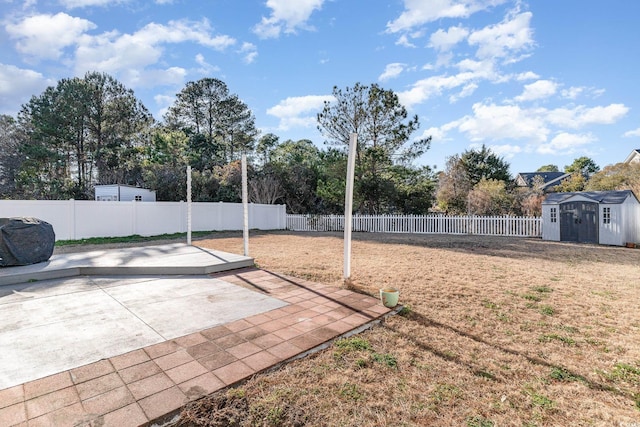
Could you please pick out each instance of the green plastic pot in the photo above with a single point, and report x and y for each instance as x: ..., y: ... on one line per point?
x: 389, y: 297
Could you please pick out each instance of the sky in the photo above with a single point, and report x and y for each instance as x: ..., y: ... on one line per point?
x: 538, y: 82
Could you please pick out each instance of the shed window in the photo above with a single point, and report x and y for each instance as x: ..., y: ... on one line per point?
x: 138, y: 198
x: 554, y: 215
x: 606, y: 215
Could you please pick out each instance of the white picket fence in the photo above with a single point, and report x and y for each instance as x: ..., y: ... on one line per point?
x: 422, y: 224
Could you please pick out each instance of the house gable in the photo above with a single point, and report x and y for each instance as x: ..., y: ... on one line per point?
x: 549, y: 179
x: 634, y: 157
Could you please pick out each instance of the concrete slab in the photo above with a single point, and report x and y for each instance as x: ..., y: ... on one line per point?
x: 55, y: 325
x: 176, y: 258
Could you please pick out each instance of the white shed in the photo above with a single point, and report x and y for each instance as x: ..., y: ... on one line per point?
x: 123, y: 193
x: 605, y: 217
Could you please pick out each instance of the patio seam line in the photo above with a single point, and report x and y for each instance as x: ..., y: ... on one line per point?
x: 132, y: 313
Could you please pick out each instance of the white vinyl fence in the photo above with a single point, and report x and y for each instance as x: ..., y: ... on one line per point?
x: 422, y: 224
x: 75, y: 219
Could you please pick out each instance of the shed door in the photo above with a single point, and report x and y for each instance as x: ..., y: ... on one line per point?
x: 579, y: 222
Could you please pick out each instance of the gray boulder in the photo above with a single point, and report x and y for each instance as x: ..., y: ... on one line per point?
x: 25, y: 241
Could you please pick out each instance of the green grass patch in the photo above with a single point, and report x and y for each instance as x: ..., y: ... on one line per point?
x: 562, y: 374
x: 555, y: 337
x: 386, y: 359
x: 479, y: 421
x: 625, y: 372
x: 130, y: 239
x: 540, y: 400
x: 485, y: 374
x: 490, y: 305
x: 547, y: 310
x: 446, y: 392
x: 350, y: 391
x: 405, y: 311
x: 532, y: 297
x: 353, y: 344
x: 542, y: 289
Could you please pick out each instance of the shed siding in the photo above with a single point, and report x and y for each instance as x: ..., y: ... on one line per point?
x: 631, y: 214
x: 613, y: 232
x: 123, y: 193
x: 550, y: 230
x: 107, y: 193
x: 128, y: 194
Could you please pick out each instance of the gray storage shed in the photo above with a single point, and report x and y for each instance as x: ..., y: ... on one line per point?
x: 605, y: 217
x: 123, y: 193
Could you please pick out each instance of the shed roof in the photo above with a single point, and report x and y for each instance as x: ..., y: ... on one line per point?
x: 604, y: 197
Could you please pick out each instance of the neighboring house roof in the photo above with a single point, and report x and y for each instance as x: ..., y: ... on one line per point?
x: 604, y: 197
x: 633, y: 157
x: 549, y: 179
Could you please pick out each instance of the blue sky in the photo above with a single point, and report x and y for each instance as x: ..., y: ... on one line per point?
x: 539, y: 82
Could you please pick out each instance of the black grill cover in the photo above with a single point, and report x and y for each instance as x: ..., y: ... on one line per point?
x: 25, y: 241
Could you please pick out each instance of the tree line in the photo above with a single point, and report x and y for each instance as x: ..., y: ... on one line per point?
x: 478, y: 182
x: 93, y: 130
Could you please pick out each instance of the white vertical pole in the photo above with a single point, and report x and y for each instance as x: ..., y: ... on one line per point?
x: 245, y: 207
x: 189, y: 205
x: 348, y: 204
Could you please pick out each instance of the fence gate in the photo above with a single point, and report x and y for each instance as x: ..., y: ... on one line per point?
x: 579, y: 222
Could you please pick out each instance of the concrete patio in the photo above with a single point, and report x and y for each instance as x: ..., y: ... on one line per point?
x: 125, y: 343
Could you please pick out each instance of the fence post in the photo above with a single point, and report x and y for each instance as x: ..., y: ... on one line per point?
x: 72, y: 219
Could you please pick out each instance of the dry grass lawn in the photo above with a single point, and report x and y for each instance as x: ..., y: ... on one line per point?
x: 496, y: 331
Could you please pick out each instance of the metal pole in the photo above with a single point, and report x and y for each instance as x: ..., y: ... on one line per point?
x: 189, y: 205
x: 245, y: 206
x: 348, y: 204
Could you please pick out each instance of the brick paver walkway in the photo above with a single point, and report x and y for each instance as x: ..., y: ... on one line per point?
x: 153, y: 383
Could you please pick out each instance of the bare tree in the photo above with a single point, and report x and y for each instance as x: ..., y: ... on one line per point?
x: 265, y: 189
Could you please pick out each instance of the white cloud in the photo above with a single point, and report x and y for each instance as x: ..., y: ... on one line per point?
x: 294, y: 111
x: 437, y: 134
x: 250, y: 52
x: 19, y: 84
x: 580, y: 116
x: 71, y: 4
x: 466, y: 91
x: 287, y: 16
x: 45, y: 36
x: 535, y: 126
x: 471, y: 72
x: 172, y: 76
x: 432, y: 86
x: 632, y: 133
x: 538, y: 90
x: 565, y: 143
x: 420, y: 12
x: 507, y: 151
x: 527, y: 75
x: 116, y: 53
x: 572, y: 93
x: 484, y: 69
x: 391, y: 71
x: 445, y: 40
x: 501, y: 40
x: 403, y: 40
x: 495, y: 122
